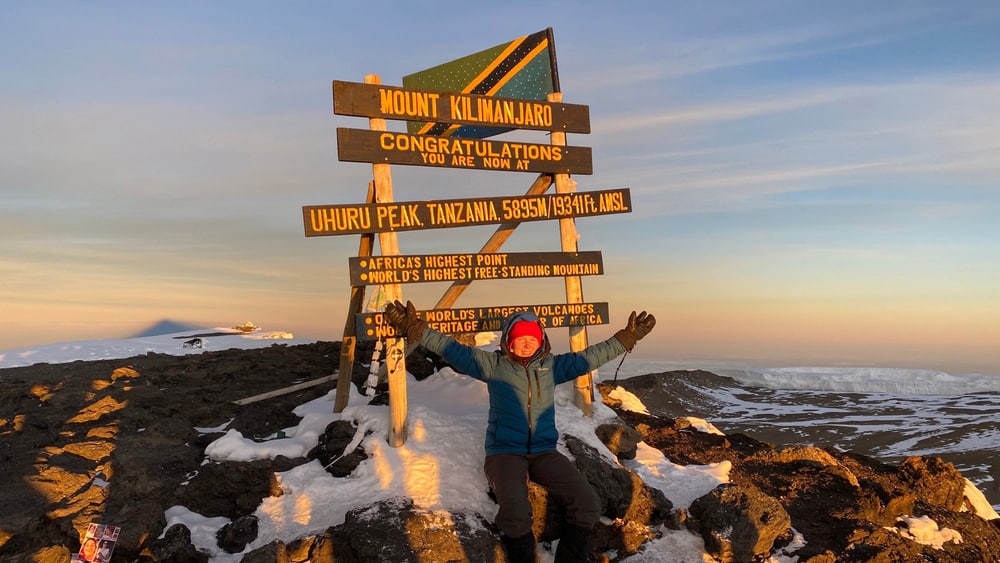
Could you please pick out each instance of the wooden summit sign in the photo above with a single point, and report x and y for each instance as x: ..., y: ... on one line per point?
x: 377, y: 270
x: 373, y: 326
x: 363, y: 145
x: 451, y: 111
x: 347, y: 219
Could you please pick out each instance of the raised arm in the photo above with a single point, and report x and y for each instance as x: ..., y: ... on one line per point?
x: 465, y: 359
x: 572, y: 365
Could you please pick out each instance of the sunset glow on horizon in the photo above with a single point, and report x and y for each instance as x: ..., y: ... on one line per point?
x: 811, y: 183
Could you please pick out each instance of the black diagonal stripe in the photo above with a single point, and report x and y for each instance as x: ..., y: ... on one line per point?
x: 501, y: 70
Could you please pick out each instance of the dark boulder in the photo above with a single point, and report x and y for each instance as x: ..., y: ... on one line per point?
x: 738, y: 523
x: 229, y: 488
x: 234, y: 536
x: 330, y: 449
x: 624, y: 497
x: 621, y: 439
x: 174, y: 547
x: 396, y: 530
x: 934, y: 481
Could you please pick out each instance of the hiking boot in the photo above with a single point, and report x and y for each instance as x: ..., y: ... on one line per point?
x: 520, y: 549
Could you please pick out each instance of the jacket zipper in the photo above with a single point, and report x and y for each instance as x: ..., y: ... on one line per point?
x: 527, y: 375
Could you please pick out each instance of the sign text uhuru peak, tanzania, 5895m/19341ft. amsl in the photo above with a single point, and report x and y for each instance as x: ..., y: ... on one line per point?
x: 345, y: 219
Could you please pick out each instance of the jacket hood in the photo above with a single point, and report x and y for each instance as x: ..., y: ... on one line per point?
x: 517, y: 317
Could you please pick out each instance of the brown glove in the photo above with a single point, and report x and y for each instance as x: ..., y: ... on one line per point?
x: 638, y: 326
x: 405, y: 319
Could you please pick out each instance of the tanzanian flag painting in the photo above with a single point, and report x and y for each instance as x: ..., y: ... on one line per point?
x: 524, y: 68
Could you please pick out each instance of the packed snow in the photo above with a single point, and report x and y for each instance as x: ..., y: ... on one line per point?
x: 446, y: 422
x: 926, y: 531
x: 175, y: 344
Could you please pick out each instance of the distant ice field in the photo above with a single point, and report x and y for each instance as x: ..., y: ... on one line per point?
x: 880, y: 412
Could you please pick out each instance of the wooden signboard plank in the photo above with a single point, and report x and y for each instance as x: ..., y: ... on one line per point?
x: 363, y: 145
x: 347, y: 219
x: 372, y: 326
x: 378, y: 270
x: 391, y: 102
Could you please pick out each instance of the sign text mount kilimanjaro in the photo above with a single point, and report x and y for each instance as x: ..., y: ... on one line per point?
x: 391, y: 102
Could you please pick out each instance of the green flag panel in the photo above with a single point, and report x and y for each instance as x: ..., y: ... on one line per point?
x: 524, y: 68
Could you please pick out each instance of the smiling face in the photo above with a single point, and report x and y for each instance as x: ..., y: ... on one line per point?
x: 524, y: 346
x: 89, y: 549
x: 524, y: 338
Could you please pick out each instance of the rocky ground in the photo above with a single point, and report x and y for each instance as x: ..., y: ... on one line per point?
x: 67, y: 429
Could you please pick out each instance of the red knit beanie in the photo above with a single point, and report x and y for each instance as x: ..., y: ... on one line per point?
x: 524, y: 328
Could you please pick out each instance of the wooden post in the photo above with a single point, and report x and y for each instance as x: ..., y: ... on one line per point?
x: 350, y: 340
x: 574, y: 288
x: 503, y: 232
x: 395, y: 358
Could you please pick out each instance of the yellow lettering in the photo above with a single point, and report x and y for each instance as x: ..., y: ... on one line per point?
x: 408, y: 103
x: 333, y: 219
x: 497, y: 163
x: 491, y: 259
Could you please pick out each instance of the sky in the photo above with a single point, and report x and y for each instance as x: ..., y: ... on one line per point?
x: 446, y: 416
x: 813, y: 183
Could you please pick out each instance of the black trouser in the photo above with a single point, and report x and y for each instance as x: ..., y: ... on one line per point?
x: 508, y: 474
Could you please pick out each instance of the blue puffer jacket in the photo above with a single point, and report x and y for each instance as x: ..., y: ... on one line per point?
x: 522, y: 415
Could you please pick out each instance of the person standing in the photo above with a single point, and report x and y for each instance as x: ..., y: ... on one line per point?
x: 104, y: 552
x: 521, y: 432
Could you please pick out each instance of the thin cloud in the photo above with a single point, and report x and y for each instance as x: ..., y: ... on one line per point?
x: 727, y: 110
x: 957, y: 91
x: 892, y: 134
x: 697, y: 52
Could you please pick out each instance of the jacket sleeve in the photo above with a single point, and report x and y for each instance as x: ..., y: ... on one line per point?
x: 567, y: 367
x: 466, y: 359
